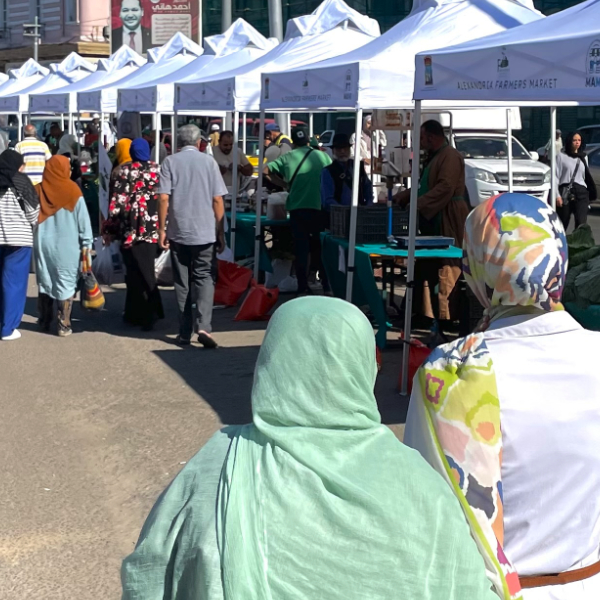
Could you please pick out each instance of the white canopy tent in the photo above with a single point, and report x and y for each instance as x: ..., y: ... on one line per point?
x: 22, y: 78
x: 332, y: 28
x: 123, y: 62
x: 552, y: 62
x: 380, y: 75
x: 239, y: 45
x: 71, y: 69
x: 25, y: 76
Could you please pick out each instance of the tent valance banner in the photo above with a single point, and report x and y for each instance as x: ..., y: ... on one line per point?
x: 525, y: 64
x: 145, y: 24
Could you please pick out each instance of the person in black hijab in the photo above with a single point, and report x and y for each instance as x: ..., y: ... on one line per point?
x: 19, y: 207
x: 11, y: 177
x: 576, y: 187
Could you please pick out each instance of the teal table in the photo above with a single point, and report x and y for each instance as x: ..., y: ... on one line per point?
x: 365, y: 290
x: 245, y: 228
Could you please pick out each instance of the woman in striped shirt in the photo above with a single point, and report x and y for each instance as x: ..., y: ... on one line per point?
x: 19, y: 208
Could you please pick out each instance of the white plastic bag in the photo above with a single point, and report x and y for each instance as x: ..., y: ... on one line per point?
x: 226, y: 255
x: 281, y: 270
x: 102, y: 266
x: 164, y: 269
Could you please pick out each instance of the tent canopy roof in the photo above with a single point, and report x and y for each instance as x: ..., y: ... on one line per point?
x: 28, y: 69
x: 328, y: 31
x: 380, y: 74
x: 240, y: 35
x: 551, y: 61
x: 327, y: 16
x: 178, y: 44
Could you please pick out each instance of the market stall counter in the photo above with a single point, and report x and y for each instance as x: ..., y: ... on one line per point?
x: 244, y: 239
x: 364, y: 289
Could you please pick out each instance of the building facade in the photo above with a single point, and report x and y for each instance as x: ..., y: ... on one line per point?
x: 67, y: 26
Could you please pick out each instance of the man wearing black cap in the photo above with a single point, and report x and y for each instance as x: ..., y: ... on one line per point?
x: 337, y: 178
x: 300, y: 171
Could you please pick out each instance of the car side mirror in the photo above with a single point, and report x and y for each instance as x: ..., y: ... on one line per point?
x: 534, y: 155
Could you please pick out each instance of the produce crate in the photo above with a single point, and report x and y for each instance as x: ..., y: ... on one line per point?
x: 372, y: 223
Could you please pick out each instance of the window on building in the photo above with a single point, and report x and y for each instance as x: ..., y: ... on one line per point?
x: 3, y: 14
x: 71, y: 12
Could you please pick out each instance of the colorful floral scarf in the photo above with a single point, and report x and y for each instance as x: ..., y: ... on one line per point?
x: 515, y: 262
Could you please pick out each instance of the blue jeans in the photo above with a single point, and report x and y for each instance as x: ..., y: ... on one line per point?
x: 14, y: 276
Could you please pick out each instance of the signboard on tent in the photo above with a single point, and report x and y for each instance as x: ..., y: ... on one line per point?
x: 145, y: 24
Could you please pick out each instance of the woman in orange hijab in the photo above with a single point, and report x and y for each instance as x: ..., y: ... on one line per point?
x: 64, y: 229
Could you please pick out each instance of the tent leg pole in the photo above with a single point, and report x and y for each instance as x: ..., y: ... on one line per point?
x: 353, y: 213
x: 258, y: 230
x: 175, y: 134
x: 311, y: 124
x: 412, y: 234
x: 62, y: 121
x: 101, y: 137
x: 234, y: 178
x: 553, y: 179
x: 244, y: 140
x: 20, y: 132
x: 509, y: 152
x: 157, y: 130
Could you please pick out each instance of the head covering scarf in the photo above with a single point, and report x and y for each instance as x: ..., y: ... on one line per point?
x: 515, y: 256
x: 57, y: 190
x: 10, y: 163
x: 122, y: 149
x: 515, y: 263
x: 317, y: 498
x: 67, y: 145
x: 140, y: 150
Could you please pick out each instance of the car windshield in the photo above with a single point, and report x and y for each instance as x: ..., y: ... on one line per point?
x: 489, y: 147
x: 591, y: 135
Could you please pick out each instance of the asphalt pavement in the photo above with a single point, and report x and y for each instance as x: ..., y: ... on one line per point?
x: 94, y: 426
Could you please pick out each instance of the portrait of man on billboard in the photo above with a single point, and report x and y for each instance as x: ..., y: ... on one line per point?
x: 131, y: 33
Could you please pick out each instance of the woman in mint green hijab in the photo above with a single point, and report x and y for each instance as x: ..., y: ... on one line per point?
x: 315, y: 499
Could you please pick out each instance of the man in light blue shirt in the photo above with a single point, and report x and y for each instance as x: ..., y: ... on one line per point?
x: 191, y: 194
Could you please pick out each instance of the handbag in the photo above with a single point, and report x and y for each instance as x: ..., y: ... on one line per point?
x: 92, y: 297
x: 566, y: 190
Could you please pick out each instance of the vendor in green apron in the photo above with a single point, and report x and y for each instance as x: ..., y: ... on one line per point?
x: 443, y: 210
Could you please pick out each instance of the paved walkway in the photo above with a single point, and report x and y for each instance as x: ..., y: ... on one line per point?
x: 94, y: 426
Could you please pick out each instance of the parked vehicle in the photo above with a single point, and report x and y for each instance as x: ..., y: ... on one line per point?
x: 590, y: 134
x: 486, y: 167
x: 594, y: 164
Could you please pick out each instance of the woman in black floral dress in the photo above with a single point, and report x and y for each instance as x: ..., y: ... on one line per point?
x: 133, y: 220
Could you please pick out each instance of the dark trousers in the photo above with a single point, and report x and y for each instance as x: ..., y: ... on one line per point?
x: 143, y: 304
x: 579, y: 207
x: 194, y: 275
x: 306, y: 225
x: 14, y: 275
x: 46, y: 313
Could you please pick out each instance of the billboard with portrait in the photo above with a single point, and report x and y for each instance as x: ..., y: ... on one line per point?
x: 145, y: 24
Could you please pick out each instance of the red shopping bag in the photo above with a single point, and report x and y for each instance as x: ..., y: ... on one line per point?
x: 258, y: 304
x: 233, y: 280
x: 418, y: 354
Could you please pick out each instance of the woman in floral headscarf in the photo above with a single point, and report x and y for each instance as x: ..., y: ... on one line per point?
x: 510, y: 416
x: 133, y: 220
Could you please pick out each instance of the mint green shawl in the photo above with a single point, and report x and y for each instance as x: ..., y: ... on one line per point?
x: 316, y: 500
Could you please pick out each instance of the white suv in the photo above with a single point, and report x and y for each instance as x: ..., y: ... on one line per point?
x: 486, y: 168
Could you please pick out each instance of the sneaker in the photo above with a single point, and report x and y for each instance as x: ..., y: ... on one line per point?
x: 15, y: 335
x: 64, y: 332
x: 207, y: 340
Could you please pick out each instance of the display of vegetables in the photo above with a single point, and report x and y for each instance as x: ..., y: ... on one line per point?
x: 582, y: 284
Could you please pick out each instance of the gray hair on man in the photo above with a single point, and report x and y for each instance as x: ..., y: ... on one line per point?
x: 189, y: 135
x: 30, y: 131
